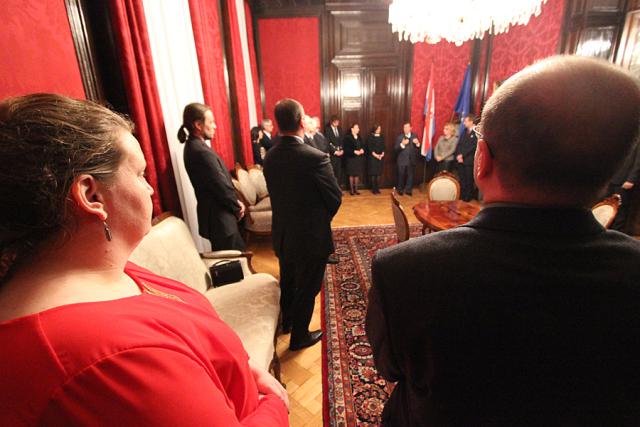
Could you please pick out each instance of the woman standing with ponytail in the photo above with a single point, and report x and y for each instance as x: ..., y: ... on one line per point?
x: 219, y: 210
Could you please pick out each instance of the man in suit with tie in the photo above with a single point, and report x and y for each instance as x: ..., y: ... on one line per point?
x: 309, y: 131
x: 319, y: 140
x: 465, y: 151
x: 528, y: 314
x: 333, y: 133
x: 304, y: 198
x: 407, y: 149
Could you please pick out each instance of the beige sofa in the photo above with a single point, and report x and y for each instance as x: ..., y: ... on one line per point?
x: 250, y: 307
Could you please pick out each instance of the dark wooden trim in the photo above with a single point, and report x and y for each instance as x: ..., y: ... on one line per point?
x: 256, y: 44
x: 229, y: 74
x: 474, y: 60
x: 487, y: 70
x: 291, y: 12
x: 82, y: 42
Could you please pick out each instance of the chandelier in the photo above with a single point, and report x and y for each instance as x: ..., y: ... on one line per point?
x: 458, y: 20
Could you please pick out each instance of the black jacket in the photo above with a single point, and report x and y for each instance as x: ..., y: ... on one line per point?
x: 217, y: 200
x: 467, y: 144
x: 304, y: 198
x: 523, y: 316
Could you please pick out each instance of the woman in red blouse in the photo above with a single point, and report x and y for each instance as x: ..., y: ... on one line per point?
x: 88, y: 338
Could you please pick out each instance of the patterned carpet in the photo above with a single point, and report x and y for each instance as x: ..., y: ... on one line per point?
x: 354, y: 394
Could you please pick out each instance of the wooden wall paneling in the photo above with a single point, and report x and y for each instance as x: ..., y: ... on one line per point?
x: 366, y: 74
x: 84, y: 51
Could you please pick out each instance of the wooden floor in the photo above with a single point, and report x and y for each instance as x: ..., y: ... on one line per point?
x: 302, y: 370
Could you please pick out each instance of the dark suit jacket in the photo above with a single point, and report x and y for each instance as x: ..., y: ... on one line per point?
x: 336, y: 141
x: 321, y: 143
x: 521, y: 317
x: 217, y: 200
x: 409, y: 154
x: 266, y: 142
x: 304, y: 198
x: 467, y: 147
x: 630, y: 170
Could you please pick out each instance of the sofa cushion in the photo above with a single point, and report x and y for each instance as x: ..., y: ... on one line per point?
x: 259, y: 183
x: 246, y: 186
x: 251, y: 308
x: 259, y: 222
x: 168, y: 250
x: 262, y: 205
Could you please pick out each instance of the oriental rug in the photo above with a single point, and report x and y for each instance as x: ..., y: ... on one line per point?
x: 353, y: 392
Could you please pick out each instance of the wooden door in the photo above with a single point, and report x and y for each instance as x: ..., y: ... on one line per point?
x: 366, y: 76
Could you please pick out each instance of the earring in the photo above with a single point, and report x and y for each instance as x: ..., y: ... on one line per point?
x: 107, y: 231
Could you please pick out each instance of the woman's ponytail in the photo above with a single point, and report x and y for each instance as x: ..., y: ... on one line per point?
x: 182, y: 134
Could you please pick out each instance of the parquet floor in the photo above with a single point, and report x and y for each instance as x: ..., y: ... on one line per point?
x: 302, y: 370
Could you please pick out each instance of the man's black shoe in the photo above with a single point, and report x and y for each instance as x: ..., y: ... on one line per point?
x: 409, y: 193
x: 308, y: 341
x: 400, y: 193
x: 333, y: 259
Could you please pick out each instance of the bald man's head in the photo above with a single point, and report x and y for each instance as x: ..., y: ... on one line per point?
x: 563, y: 125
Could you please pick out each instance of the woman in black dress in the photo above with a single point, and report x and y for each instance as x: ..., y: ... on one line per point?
x: 375, y: 154
x: 354, y: 155
x: 258, y: 150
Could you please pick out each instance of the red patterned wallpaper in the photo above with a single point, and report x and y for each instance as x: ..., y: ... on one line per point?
x: 290, y: 58
x: 523, y: 45
x: 450, y: 62
x: 36, y: 49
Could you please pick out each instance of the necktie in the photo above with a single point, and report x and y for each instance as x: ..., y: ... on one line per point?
x: 335, y: 132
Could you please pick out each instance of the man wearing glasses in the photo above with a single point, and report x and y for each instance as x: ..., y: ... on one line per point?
x: 528, y: 314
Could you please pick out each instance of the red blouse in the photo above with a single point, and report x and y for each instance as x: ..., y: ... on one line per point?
x: 147, y: 360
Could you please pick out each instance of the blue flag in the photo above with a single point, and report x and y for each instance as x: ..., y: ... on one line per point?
x: 463, y: 104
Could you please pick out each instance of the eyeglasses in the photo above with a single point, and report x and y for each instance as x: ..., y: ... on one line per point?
x: 478, y: 131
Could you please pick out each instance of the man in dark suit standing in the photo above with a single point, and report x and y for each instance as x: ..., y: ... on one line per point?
x: 334, y: 135
x: 528, y: 314
x: 304, y: 198
x: 268, y: 139
x: 465, y: 151
x: 319, y: 139
x: 406, y: 148
x: 219, y: 209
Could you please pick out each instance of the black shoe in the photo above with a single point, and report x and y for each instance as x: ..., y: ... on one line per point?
x: 308, y: 341
x: 409, y: 193
x: 400, y: 193
x: 333, y: 259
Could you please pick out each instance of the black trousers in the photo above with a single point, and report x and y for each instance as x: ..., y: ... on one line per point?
x: 405, y: 172
x: 300, y: 282
x: 467, y: 186
x: 446, y: 165
x: 232, y: 241
x: 336, y: 165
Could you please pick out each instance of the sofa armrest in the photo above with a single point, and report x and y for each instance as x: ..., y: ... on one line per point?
x: 245, y: 258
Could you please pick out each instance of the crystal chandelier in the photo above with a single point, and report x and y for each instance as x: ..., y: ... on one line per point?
x: 458, y: 20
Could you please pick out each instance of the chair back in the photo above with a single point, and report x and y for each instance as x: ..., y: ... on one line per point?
x: 606, y: 210
x: 168, y: 250
x: 443, y: 187
x: 259, y: 183
x: 399, y: 218
x: 246, y: 186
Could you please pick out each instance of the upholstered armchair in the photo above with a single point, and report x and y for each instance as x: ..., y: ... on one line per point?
x: 443, y: 187
x: 250, y: 307
x: 252, y: 191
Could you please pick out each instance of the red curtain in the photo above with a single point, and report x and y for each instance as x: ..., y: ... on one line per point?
x: 206, y: 32
x: 236, y: 71
x: 286, y: 75
x: 130, y: 30
x: 252, y: 56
